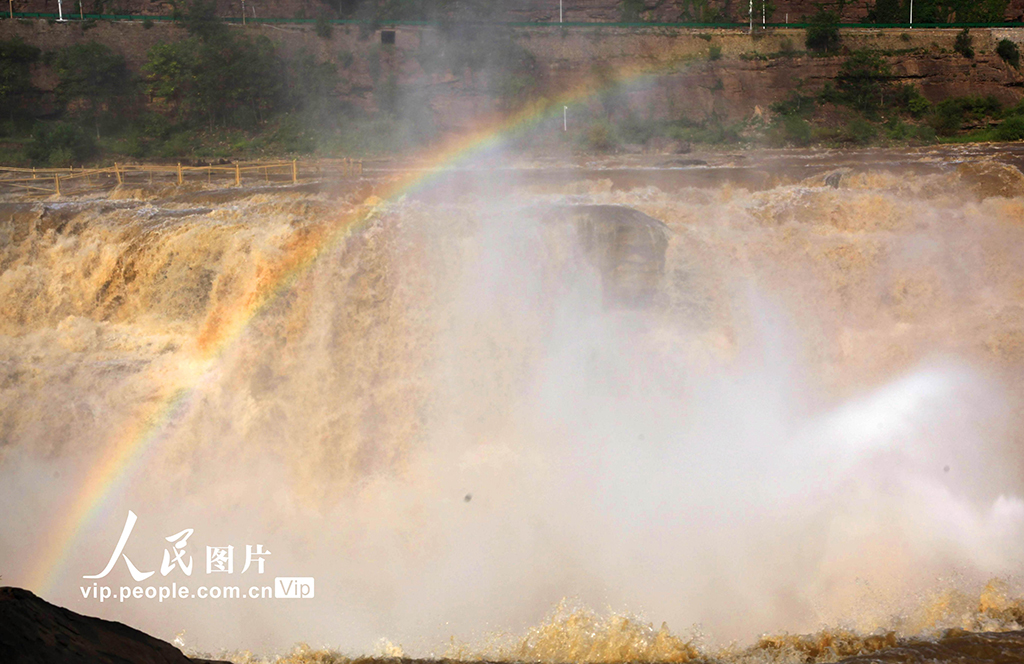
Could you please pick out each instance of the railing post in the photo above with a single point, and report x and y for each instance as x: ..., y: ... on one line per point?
x: 238, y: 175
x: 179, y: 173
x: 295, y: 171
x: 117, y: 172
x: 56, y: 182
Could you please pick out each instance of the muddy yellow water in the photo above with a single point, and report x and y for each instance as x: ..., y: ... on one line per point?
x: 632, y: 409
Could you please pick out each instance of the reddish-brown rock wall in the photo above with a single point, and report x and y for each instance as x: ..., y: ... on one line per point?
x: 680, y: 79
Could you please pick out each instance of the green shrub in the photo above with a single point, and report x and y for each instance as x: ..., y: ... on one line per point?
x: 1009, y: 52
x: 291, y: 136
x: 794, y: 130
x: 630, y: 11
x: 1011, y: 130
x: 964, y: 43
x: 94, y: 83
x: 201, y: 20
x: 714, y: 52
x: 823, y: 32
x: 323, y: 27
x: 600, y: 136
x: 924, y: 133
x: 909, y: 99
x: 859, y: 131
x: 147, y: 24
x: 795, y: 104
x: 177, y: 145
x: 949, y: 115
x: 633, y: 129
x: 61, y: 144
x: 897, y: 129
x: 17, y: 94
x: 207, y: 80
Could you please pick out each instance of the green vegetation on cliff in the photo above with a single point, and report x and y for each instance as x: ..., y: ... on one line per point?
x: 938, y: 11
x: 225, y: 92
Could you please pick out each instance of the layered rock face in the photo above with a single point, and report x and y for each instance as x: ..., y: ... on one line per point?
x: 751, y: 74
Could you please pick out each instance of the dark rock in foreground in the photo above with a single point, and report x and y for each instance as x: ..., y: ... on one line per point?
x: 33, y: 631
x: 955, y: 647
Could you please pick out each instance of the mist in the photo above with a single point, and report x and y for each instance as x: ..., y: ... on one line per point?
x: 452, y: 426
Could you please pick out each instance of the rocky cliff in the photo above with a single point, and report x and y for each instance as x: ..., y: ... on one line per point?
x: 662, y: 73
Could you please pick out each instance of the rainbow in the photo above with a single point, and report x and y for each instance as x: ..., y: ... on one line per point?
x: 124, y: 455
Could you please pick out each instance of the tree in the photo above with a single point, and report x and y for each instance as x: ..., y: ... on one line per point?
x: 864, y: 80
x: 964, y: 44
x: 60, y: 144
x: 979, y: 11
x: 631, y: 11
x: 94, y: 81
x: 888, y: 12
x: 1008, y: 51
x: 201, y: 20
x: 960, y: 11
x: 823, y: 31
x: 16, y: 89
x: 230, y: 80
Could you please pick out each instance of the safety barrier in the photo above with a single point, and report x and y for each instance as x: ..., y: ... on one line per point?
x: 67, y: 181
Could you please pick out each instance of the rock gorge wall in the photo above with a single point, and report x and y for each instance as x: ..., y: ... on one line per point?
x: 682, y: 79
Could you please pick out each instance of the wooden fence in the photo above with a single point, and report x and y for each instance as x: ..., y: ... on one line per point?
x: 67, y: 181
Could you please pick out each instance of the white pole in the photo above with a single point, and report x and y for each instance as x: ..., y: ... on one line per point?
x: 559, y: 11
x: 751, y: 16
x: 911, y: 13
x: 764, y: 18
x: 565, y: 118
x: 60, y: 10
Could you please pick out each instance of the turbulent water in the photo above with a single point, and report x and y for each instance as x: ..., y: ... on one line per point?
x: 490, y: 426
